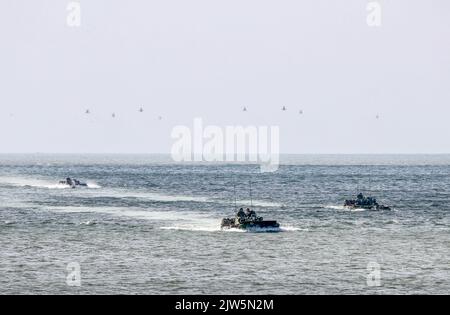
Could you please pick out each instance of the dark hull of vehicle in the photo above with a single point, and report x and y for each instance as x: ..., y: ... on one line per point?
x: 73, y: 183
x: 365, y: 203
x: 74, y: 186
x: 375, y: 208
x: 231, y: 224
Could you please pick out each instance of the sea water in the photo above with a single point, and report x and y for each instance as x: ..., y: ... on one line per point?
x: 145, y: 225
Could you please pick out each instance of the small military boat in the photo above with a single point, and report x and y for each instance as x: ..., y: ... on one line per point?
x: 248, y: 220
x: 73, y: 183
x: 366, y: 203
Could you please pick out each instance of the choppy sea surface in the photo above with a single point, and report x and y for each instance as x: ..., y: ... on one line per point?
x: 147, y: 226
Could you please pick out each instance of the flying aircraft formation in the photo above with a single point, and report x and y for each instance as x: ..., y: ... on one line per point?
x: 244, y: 109
x: 284, y: 108
x: 113, y: 115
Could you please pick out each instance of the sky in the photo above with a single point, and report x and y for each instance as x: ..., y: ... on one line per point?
x: 360, y: 89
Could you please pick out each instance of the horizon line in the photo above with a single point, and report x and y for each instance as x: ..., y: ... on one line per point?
x: 159, y: 153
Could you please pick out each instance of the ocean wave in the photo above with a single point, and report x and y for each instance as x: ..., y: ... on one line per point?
x: 267, y: 229
x: 259, y: 203
x: 292, y: 229
x: 256, y: 230
x: 39, y: 183
x: 93, y: 185
x: 134, y: 213
x: 335, y: 207
x: 168, y: 198
x: 215, y: 227
x: 194, y: 228
x: 118, y: 193
x: 180, y: 220
x: 342, y: 208
x: 88, y: 223
x: 160, y: 197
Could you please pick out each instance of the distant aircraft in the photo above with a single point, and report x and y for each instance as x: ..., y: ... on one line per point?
x: 301, y: 112
x: 113, y: 115
x: 377, y: 116
x: 284, y: 109
x: 88, y: 111
x: 244, y: 109
x: 141, y: 110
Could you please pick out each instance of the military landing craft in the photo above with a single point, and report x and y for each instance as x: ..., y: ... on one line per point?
x: 248, y: 220
x: 73, y: 183
x: 366, y: 203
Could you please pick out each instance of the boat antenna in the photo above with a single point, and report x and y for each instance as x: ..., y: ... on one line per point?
x: 251, y: 197
x: 235, y: 201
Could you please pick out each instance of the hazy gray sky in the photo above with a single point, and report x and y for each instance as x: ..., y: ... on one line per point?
x: 181, y: 59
